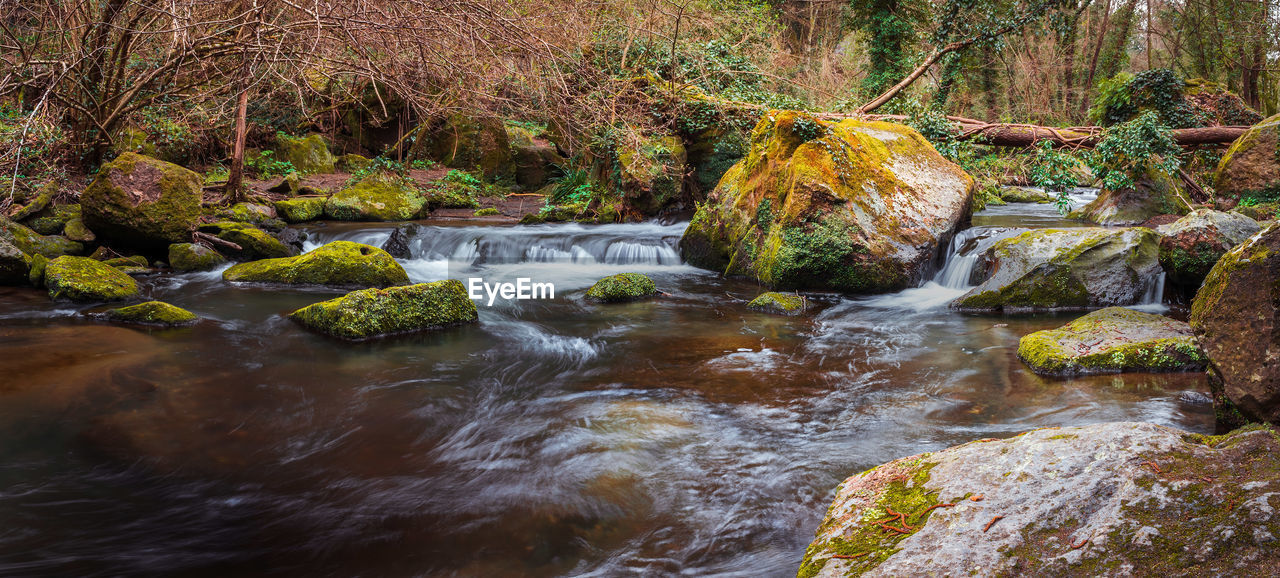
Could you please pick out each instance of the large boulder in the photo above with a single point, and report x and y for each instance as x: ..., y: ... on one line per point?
x: 143, y: 202
x: 1112, y: 499
x: 535, y: 158
x: 262, y: 216
x: 1251, y: 166
x: 301, y: 210
x: 477, y: 144
x: 370, y: 313
x: 340, y: 263
x: 1234, y: 317
x: 309, y: 154
x: 84, y: 279
x: 1067, y: 269
x: 33, y: 243
x: 1156, y: 194
x: 379, y: 197
x: 1018, y: 194
x: 1190, y: 246
x: 1113, y: 340
x: 651, y: 172
x: 852, y: 206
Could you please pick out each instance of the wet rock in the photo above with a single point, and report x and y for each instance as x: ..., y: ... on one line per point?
x: 36, y: 275
x: 370, y: 313
x: 652, y: 172
x: 398, y: 243
x: 309, y: 154
x: 1191, y: 246
x: 254, y: 243
x: 1060, y: 501
x: 1067, y: 269
x: 294, y: 239
x: 780, y: 303
x: 261, y: 216
x: 84, y: 279
x: 379, y: 197
x: 622, y: 287
x: 33, y: 243
x: 185, y: 257
x: 143, y: 202
x: 1250, y: 168
x: 14, y: 264
x: 301, y: 210
x: 340, y: 263
x: 1024, y: 195
x: 1234, y: 317
x: 152, y: 313
x: 1113, y: 340
x: 851, y: 206
x: 1156, y: 194
x: 131, y: 261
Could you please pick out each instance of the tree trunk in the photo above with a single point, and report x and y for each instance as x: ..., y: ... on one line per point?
x: 236, y: 176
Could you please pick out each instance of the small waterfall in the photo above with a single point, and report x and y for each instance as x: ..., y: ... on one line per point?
x: 965, y: 250
x: 1154, y: 295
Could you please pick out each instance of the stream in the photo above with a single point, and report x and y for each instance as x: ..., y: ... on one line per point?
x: 684, y: 435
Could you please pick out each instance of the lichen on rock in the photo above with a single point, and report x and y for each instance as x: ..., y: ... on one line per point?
x: 84, y: 279
x: 340, y: 263
x: 370, y: 313
x: 1251, y: 166
x: 1191, y: 246
x: 780, y: 303
x: 1113, y: 340
x: 622, y: 287
x: 152, y: 313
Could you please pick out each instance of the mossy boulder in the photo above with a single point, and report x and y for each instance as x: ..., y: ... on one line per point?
x: 1156, y: 194
x: 301, y: 210
x: 309, y: 154
x: 622, y: 287
x: 1236, y: 318
x: 853, y: 206
x: 340, y: 264
x: 258, y: 215
x: 461, y: 142
x: 14, y: 264
x: 371, y: 313
x: 352, y: 163
x: 780, y: 303
x: 1068, y: 269
x: 1191, y: 246
x: 254, y: 243
x: 1251, y: 166
x: 75, y: 230
x: 536, y: 159
x: 84, y: 279
x: 1097, y: 500
x: 652, y: 172
x: 379, y: 197
x: 37, y: 203
x: 53, y: 219
x: 1113, y: 340
x: 33, y: 243
x: 152, y: 313
x: 1024, y: 195
x: 143, y: 202
x: 185, y: 257
x: 1259, y: 212
x: 36, y: 275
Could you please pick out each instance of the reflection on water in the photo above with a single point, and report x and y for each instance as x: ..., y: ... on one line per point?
x: 682, y: 435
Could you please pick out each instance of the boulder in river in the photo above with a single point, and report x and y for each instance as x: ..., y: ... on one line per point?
x: 780, y: 303
x: 143, y: 202
x: 185, y: 257
x: 370, y: 313
x: 254, y: 243
x: 651, y: 171
x: 1105, y: 499
x: 1018, y: 194
x: 1113, y: 340
x: 1066, y: 269
x: 1155, y: 194
x: 379, y: 197
x: 621, y: 288
x: 398, y: 243
x: 853, y: 206
x: 340, y: 263
x: 301, y: 210
x: 1251, y: 166
x: 1191, y: 246
x: 1235, y: 318
x: 262, y: 216
x: 152, y: 313
x: 84, y: 279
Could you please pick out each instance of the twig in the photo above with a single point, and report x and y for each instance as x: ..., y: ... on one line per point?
x: 849, y: 556
x: 991, y: 523
x: 207, y: 238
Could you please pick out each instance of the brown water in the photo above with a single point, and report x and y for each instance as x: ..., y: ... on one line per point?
x: 687, y: 435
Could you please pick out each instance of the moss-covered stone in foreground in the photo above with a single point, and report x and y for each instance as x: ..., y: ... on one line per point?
x: 1113, y: 340
x: 622, y: 287
x: 370, y: 313
x: 340, y: 263
x: 775, y: 302
x: 152, y: 313
x: 83, y: 279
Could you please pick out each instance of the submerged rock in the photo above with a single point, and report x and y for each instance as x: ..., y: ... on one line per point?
x: 340, y: 263
x: 1113, y: 340
x: 1251, y: 166
x: 1234, y: 316
x: 781, y: 303
x: 152, y: 313
x: 84, y: 279
x: 1067, y: 269
x: 185, y: 257
x: 622, y: 287
x: 370, y: 313
x: 1191, y: 246
x: 1105, y: 499
x: 143, y: 202
x: 301, y: 210
x: 1157, y: 194
x: 379, y: 197
x: 851, y: 206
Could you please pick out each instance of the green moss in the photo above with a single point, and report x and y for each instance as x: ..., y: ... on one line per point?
x: 153, y: 313
x: 251, y: 213
x: 301, y: 210
x: 309, y: 154
x: 33, y: 243
x: 75, y: 230
x: 191, y: 257
x: 84, y: 279
x: 487, y: 211
x: 36, y: 274
x: 622, y: 287
x: 143, y: 202
x: 340, y: 263
x: 373, y: 313
x: 134, y: 261
x: 379, y: 197
x: 1096, y: 343
x: 652, y: 172
x: 353, y: 163
x: 773, y: 302
x: 254, y: 243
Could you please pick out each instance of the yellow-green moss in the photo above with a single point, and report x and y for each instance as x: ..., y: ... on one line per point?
x: 379, y: 197
x: 191, y: 257
x: 774, y: 302
x: 84, y: 279
x: 254, y: 243
x: 340, y: 263
x: 165, y: 213
x: 309, y: 154
x: 301, y: 210
x: 622, y: 287
x: 370, y: 313
x: 153, y: 313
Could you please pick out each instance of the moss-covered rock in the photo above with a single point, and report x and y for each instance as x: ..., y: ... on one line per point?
x: 780, y: 303
x: 309, y: 154
x: 340, y: 263
x: 36, y: 275
x: 535, y: 159
x: 75, y: 230
x: 370, y: 313
x: 379, y: 197
x: 84, y: 279
x: 622, y: 287
x: 1157, y: 194
x: 185, y: 257
x: 351, y: 163
x: 1067, y: 269
x: 1251, y: 166
x: 130, y: 261
x: 1235, y: 318
x: 1024, y: 195
x: 261, y: 216
x: 851, y: 206
x: 53, y: 219
x: 14, y: 263
x: 254, y: 243
x: 478, y: 144
x: 152, y: 313
x: 143, y: 202
x: 1259, y: 212
x: 33, y: 243
x: 1191, y: 246
x: 289, y: 184
x: 301, y: 210
x: 652, y: 172
x: 1113, y: 340
x: 37, y: 203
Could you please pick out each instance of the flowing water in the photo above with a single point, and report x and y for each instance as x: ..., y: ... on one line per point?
x: 684, y: 435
